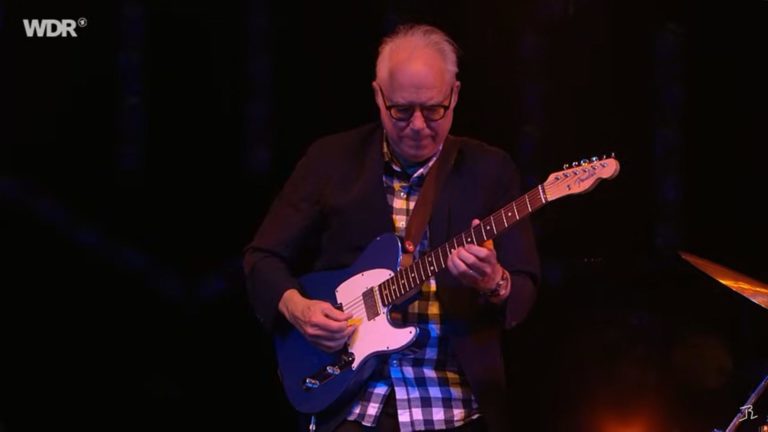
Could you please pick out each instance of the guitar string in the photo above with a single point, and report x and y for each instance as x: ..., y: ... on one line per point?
x: 533, y: 201
x: 359, y: 299
x: 424, y: 260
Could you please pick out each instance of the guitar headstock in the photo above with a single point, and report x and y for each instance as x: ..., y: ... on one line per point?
x: 580, y: 177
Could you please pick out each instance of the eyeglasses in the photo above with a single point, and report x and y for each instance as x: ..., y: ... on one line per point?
x: 405, y: 112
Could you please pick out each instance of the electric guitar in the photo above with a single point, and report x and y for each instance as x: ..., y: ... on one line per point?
x: 315, y: 380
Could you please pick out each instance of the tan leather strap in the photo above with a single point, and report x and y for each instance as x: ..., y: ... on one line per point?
x: 422, y: 211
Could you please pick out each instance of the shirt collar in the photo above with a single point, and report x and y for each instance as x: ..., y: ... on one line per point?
x: 392, y: 161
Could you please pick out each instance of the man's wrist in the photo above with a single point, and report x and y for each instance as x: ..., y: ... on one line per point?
x: 286, y: 300
x: 500, y: 289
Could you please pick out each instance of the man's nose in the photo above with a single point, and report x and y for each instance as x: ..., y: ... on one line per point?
x: 417, y: 120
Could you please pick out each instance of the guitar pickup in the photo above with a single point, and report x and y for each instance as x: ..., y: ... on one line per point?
x: 328, y: 372
x: 371, y: 306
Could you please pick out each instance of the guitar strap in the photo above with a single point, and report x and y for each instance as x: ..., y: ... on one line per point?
x: 418, y: 220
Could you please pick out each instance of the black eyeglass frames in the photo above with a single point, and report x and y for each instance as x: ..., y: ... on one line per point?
x: 405, y: 112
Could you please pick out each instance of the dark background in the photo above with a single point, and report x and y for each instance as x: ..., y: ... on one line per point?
x: 139, y: 158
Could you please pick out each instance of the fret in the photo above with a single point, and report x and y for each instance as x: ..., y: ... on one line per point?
x: 440, y: 253
x: 398, y: 288
x: 472, y: 230
x: 541, y: 193
x: 387, y: 300
x: 514, y: 206
x: 394, y: 293
x: 410, y: 280
x: 421, y: 270
x: 493, y: 224
x: 528, y: 203
x: 504, y: 218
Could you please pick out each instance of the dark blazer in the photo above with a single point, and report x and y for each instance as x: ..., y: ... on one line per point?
x: 334, y: 204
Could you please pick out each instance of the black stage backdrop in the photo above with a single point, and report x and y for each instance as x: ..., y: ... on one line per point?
x: 139, y: 157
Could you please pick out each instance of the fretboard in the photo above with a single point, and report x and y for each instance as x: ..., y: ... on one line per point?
x: 407, y: 281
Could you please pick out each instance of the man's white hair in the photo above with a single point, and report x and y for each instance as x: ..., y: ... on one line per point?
x: 418, y: 36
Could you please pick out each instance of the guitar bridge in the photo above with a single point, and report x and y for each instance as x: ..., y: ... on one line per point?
x: 328, y: 372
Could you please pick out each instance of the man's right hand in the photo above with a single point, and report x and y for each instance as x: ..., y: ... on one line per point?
x: 323, y: 325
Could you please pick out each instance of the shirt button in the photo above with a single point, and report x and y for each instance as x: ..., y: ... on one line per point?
x: 395, y: 363
x: 402, y: 194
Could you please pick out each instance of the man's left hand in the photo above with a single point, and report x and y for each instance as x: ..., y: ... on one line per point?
x: 476, y: 266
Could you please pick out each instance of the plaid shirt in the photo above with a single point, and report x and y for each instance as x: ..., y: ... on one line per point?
x: 431, y: 392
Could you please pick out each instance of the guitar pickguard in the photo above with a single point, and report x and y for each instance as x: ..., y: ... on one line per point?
x: 377, y: 335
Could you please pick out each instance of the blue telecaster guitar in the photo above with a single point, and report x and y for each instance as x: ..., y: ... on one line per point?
x: 315, y: 380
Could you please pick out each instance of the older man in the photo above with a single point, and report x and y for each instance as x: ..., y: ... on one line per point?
x: 350, y: 188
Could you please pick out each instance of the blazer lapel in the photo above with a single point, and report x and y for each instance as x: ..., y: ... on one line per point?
x: 374, y: 201
x: 440, y: 226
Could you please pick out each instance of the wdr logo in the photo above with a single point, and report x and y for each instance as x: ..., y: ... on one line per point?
x: 52, y: 27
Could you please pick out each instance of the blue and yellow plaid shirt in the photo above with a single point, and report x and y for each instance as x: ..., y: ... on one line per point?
x: 431, y: 392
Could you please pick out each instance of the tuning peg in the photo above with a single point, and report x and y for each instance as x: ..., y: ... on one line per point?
x: 565, y: 166
x: 574, y: 164
x: 593, y: 159
x: 584, y: 162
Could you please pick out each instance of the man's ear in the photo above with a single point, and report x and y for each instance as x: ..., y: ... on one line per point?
x: 377, y: 94
x: 456, y: 88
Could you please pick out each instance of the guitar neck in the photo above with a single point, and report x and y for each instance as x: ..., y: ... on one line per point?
x: 407, y: 282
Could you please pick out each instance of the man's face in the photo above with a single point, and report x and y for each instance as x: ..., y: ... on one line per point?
x: 415, y: 78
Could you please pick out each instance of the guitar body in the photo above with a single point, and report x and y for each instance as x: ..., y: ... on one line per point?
x: 298, y: 359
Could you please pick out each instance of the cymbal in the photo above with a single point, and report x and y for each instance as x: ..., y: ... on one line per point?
x: 744, y: 285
